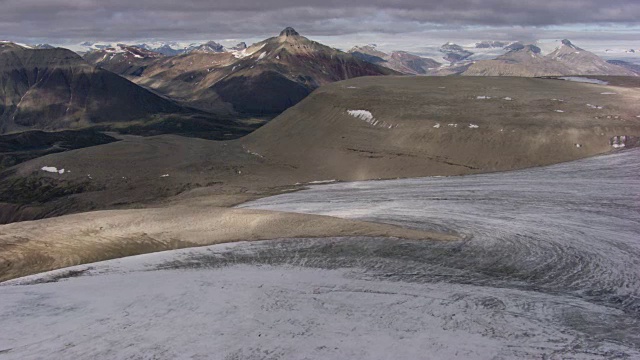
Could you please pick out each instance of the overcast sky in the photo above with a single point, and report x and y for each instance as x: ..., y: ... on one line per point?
x: 340, y: 23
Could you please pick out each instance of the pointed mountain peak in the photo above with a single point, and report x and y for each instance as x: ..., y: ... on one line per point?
x: 289, y: 31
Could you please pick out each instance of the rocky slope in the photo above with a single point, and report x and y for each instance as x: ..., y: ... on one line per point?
x: 57, y: 89
x: 528, y: 60
x: 263, y: 79
x: 364, y: 128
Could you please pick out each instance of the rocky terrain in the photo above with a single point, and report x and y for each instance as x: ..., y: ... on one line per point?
x: 400, y: 61
x: 262, y: 80
x: 528, y: 60
x: 364, y: 128
x: 55, y: 89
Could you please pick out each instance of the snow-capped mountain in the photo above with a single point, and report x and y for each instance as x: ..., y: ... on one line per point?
x: 264, y: 78
x: 454, y: 53
x: 209, y: 47
x: 491, y: 44
x: 400, y: 61
x: 531, y: 60
x: 164, y: 48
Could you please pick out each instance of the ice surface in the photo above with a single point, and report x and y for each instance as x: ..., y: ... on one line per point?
x: 583, y: 80
x: 549, y: 268
x: 569, y: 231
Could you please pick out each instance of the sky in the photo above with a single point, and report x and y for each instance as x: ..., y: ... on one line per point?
x: 404, y: 24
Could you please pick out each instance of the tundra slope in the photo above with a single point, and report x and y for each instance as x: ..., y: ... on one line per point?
x: 365, y: 128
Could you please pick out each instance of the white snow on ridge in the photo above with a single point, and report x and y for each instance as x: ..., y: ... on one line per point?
x: 244, y: 53
x: 362, y: 115
x: 483, y: 97
x: 607, y: 93
x: 16, y: 43
x: 262, y: 56
x: 473, y: 126
x: 52, y: 169
x: 322, y: 182
x: 369, y: 119
x: 559, y: 111
x: 437, y: 126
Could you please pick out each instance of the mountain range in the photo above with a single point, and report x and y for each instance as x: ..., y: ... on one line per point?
x: 205, y: 86
x: 400, y: 61
x: 528, y: 60
x: 263, y: 79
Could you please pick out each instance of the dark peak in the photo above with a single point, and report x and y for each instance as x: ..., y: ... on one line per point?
x: 532, y: 48
x: 240, y: 46
x: 289, y: 31
x: 567, y: 43
x: 514, y: 46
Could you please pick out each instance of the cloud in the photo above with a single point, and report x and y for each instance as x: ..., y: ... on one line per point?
x: 67, y: 20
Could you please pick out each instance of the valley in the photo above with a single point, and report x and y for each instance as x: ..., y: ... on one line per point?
x: 273, y: 197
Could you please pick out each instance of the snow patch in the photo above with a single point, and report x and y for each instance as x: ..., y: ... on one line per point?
x: 165, y: 175
x: 52, y: 169
x: 437, y: 126
x: 507, y: 98
x: 607, y: 93
x: 262, y: 56
x: 473, y: 126
x: 322, y: 181
x: 559, y: 111
x: 482, y: 97
x: 578, y: 145
x: 369, y: 119
x: 362, y: 115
